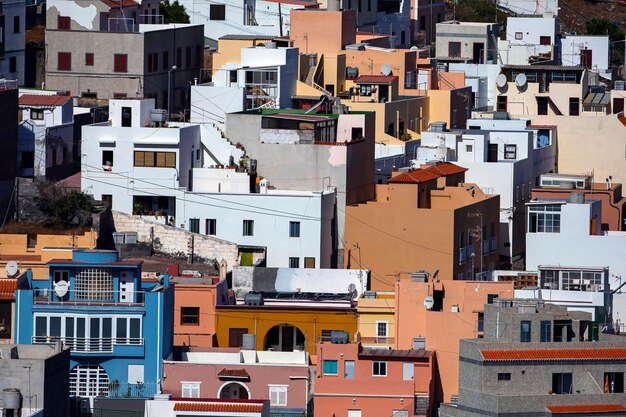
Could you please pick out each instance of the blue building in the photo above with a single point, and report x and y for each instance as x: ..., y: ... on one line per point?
x: 119, y: 328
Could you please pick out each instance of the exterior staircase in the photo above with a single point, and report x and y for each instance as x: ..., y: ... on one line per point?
x: 217, y: 146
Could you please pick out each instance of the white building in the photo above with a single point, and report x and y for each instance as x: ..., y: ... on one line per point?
x: 264, y: 76
x: 588, y: 51
x: 530, y: 39
x: 482, y: 79
x: 159, y: 173
x: 503, y: 156
x: 13, y: 40
x: 45, y: 135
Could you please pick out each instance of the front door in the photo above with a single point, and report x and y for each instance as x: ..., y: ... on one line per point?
x: 127, y: 287
x: 478, y: 51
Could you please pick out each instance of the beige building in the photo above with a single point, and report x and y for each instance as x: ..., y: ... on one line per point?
x: 377, y: 320
x: 425, y: 219
x: 474, y: 42
x: 98, y: 50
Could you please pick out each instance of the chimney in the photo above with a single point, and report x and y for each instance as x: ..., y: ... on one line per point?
x: 223, y: 269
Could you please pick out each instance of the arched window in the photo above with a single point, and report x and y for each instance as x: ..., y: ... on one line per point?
x: 89, y: 380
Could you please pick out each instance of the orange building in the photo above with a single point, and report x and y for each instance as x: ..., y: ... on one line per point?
x: 322, y: 31
x: 425, y: 219
x: 369, y: 382
x: 436, y: 314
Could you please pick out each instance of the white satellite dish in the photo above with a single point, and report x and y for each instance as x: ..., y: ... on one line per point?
x: 429, y: 302
x: 61, y: 288
x: 414, y: 48
x: 521, y: 80
x: 501, y: 80
x: 442, y: 150
x: 385, y: 69
x: 12, y: 269
x: 352, y: 288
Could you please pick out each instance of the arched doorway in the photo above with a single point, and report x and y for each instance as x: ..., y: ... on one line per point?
x: 233, y: 390
x: 89, y: 380
x: 284, y: 338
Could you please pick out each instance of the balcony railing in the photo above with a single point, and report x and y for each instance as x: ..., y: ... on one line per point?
x: 126, y: 390
x: 378, y: 340
x: 95, y: 297
x: 489, y: 245
x: 89, y: 345
x: 465, y: 253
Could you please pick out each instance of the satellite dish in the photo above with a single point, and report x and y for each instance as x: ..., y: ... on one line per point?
x: 385, y: 69
x: 501, y: 80
x: 521, y: 80
x: 12, y: 269
x: 351, y: 288
x: 429, y: 302
x: 442, y: 149
x: 61, y: 288
x: 414, y: 48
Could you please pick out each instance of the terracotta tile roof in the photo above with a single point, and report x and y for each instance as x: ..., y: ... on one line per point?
x: 445, y: 168
x: 118, y: 3
x: 233, y: 373
x: 413, y: 177
x: 586, y: 408
x: 42, y: 100
x: 230, y: 407
x: 7, y: 289
x: 553, y: 354
x: 375, y: 79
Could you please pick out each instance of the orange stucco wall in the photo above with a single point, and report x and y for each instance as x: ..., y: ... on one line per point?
x: 204, y: 297
x: 443, y: 329
x: 322, y: 31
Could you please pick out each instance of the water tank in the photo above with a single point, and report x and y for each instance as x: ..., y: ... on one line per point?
x: 249, y: 342
x: 253, y: 299
x: 576, y: 198
x: 438, y: 126
x: 158, y: 115
x: 12, y: 399
x: 333, y: 5
x: 270, y: 45
x: 339, y: 337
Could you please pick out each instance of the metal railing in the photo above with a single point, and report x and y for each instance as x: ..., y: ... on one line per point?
x: 465, y: 253
x: 87, y: 345
x: 489, y: 245
x: 89, y: 296
x: 127, y: 390
x: 8, y: 84
x: 378, y: 340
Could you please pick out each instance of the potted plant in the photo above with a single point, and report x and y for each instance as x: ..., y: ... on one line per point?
x: 114, y: 386
x: 137, y: 209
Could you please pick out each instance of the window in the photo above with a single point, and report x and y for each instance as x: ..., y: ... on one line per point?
x: 155, y: 159
x: 348, y: 369
x: 107, y: 158
x: 422, y: 22
x: 179, y: 57
x: 63, y: 23
x: 294, y: 262
x: 309, y: 263
x: 469, y: 148
x: 357, y: 133
x: 235, y: 336
x: 491, y: 297
x: 107, y: 199
x: 545, y: 40
x: 330, y: 367
x: 127, y: 116
x: 614, y: 382
x: 481, y: 322
x: 190, y: 316
x: 381, y: 328
x: 89, y: 380
x: 502, y: 104
x: 28, y: 159
x: 454, y: 49
x: 574, y: 108
x: 199, y: 55
x: 190, y: 389
x: 510, y: 151
x: 120, y: 63
x: 89, y: 59
x: 194, y: 225
x: 233, y: 76
x: 188, y: 57
x: 524, y: 331
x: 93, y: 284
x: 36, y: 114
x: 64, y: 61
x: 166, y: 60
x: 562, y: 383
x: 61, y: 276
x: 12, y: 63
x: 544, y: 218
x: 210, y: 227
x: 504, y: 376
x: 294, y: 229
x: 16, y: 24
x: 217, y: 12
x: 546, y: 331
x: 278, y: 395
x: 519, y: 36
x: 248, y: 227
x: 379, y: 368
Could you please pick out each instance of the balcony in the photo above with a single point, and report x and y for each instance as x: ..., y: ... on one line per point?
x: 89, y: 297
x: 89, y: 345
x: 378, y: 340
x: 465, y: 253
x: 490, y: 245
x: 126, y: 390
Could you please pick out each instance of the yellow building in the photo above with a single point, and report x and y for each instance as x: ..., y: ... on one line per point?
x: 377, y: 320
x: 294, y: 325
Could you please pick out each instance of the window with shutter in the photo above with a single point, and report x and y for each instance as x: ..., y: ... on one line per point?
x: 64, y: 61
x: 63, y: 23
x: 120, y: 63
x: 89, y: 59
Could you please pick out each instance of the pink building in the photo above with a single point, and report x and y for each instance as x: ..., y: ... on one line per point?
x: 228, y: 373
x: 354, y: 381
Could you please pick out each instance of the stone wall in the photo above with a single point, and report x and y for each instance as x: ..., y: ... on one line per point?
x: 168, y: 240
